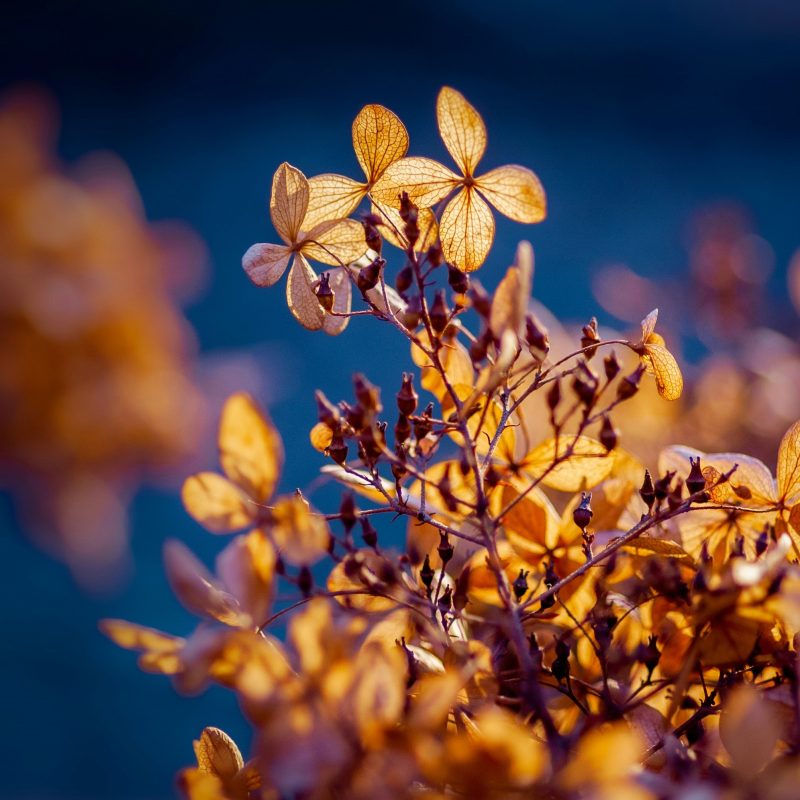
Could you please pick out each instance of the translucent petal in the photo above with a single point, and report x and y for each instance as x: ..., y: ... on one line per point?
x: 332, y: 197
x: 266, y: 263
x: 379, y: 139
x: 669, y: 379
x: 342, y: 302
x: 216, y: 503
x: 514, y: 191
x: 335, y: 242
x: 289, y: 201
x: 649, y: 325
x: 510, y: 302
x: 788, y: 471
x: 583, y: 463
x: 424, y: 180
x: 195, y: 588
x: 250, y: 449
x: 392, y: 229
x: 532, y: 525
x: 300, y: 295
x: 461, y: 128
x: 466, y: 231
x: 217, y: 754
x: 301, y: 535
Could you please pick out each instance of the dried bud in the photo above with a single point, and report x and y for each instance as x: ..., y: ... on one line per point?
x: 661, y: 486
x: 347, y: 511
x: 675, y: 497
x: 305, y: 581
x: 324, y: 292
x: 649, y: 655
x: 404, y: 279
x: 445, y: 548
x: 479, y: 348
x: 445, y: 600
x: 439, y: 312
x: 402, y: 429
x: 696, y: 481
x: 648, y: 492
x: 434, y: 255
x: 426, y: 573
x: 411, y: 315
x: 368, y: 532
x: 492, y: 476
x: 611, y: 366
x: 407, y: 208
x: 327, y: 413
x: 423, y: 424
x: 371, y: 439
x: 367, y: 394
x: 398, y: 466
x: 337, y: 449
x: 460, y: 594
x: 550, y: 575
x: 554, y: 395
x: 536, y: 337
x: 459, y: 281
x: 590, y: 338
x: 585, y: 390
x: 520, y: 585
x: 407, y: 398
x: 372, y: 235
x: 582, y: 515
x: 369, y: 276
x: 560, y: 665
x: 629, y: 385
x: 608, y: 434
x: 481, y: 301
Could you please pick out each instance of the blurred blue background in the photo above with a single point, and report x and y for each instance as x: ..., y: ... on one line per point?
x: 633, y: 114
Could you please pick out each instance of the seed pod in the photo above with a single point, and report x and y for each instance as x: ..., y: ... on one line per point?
x: 582, y: 515
x: 327, y: 413
x: 445, y: 600
x: 648, y: 492
x: 369, y: 276
x: 445, y: 548
x: 590, y: 338
x: 608, y: 434
x: 410, y: 316
x: 611, y: 366
x: 696, y: 481
x: 407, y: 207
x: 434, y: 255
x: 554, y: 395
x: 762, y: 542
x: 585, y: 390
x: 402, y: 429
x: 675, y: 497
x: 536, y: 337
x: 481, y: 301
x: 398, y: 467
x: 337, y: 449
x: 305, y: 581
x: 459, y: 281
x: 407, y: 398
x: 629, y: 385
x: 426, y: 573
x: 347, y: 511
x: 439, y: 312
x: 661, y: 486
x: 372, y: 235
x: 367, y: 394
x: 520, y: 585
x: 368, y: 532
x: 404, y: 279
x: 423, y: 425
x: 324, y: 292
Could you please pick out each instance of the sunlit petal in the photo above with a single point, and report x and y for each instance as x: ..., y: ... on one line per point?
x: 342, y: 302
x: 379, y: 138
x: 266, y: 263
x: 289, y: 201
x: 300, y: 295
x: 516, y: 192
x: 332, y: 197
x: 461, y: 128
x: 335, y: 242
x: 392, y: 229
x: 424, y: 180
x: 466, y: 231
x: 218, y: 504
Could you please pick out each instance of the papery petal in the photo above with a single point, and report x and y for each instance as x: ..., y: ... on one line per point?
x: 266, y: 263
x: 300, y: 295
x: 218, y: 504
x: 462, y: 129
x: 342, y: 302
x: 424, y: 180
x: 514, y: 191
x: 510, y: 302
x: 217, y: 754
x: 392, y: 228
x: 332, y: 197
x: 788, y: 473
x: 669, y: 380
x: 466, y: 231
x: 289, y: 201
x: 379, y: 139
x: 195, y: 588
x: 335, y: 242
x: 250, y: 448
x: 302, y: 535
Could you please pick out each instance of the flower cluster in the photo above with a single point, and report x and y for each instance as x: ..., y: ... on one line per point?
x: 95, y: 370
x: 567, y: 618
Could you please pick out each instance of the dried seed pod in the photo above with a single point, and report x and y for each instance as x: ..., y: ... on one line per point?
x: 554, y: 395
x: 404, y: 279
x: 422, y: 424
x: 368, y: 532
x: 629, y: 385
x: 402, y: 429
x: 305, y: 581
x: 327, y: 413
x: 590, y: 338
x: 696, y: 481
x: 372, y: 235
x: 481, y: 301
x: 347, y: 511
x: 608, y: 434
x: 439, y: 312
x: 536, y: 337
x: 611, y: 366
x: 407, y: 397
x: 410, y: 316
x: 426, y: 573
x: 520, y: 585
x: 367, y: 394
x: 445, y: 548
x: 324, y: 292
x: 648, y: 492
x: 582, y: 515
x: 459, y: 281
x: 434, y: 255
x: 337, y: 449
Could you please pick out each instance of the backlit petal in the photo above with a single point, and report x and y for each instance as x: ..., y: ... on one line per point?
x: 300, y: 295
x: 392, y: 229
x: 342, y: 302
x: 218, y: 504
x: 289, y: 201
x: 379, y: 138
x: 466, y: 231
x: 335, y: 242
x: 424, y: 180
x: 266, y: 263
x: 516, y: 192
x: 332, y: 197
x: 461, y: 128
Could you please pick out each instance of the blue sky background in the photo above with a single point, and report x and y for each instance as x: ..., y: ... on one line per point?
x: 633, y: 114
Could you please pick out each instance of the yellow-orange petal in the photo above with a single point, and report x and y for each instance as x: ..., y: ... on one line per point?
x: 216, y: 503
x: 466, y: 231
x: 289, y: 201
x: 339, y: 282
x: 335, y: 242
x: 379, y: 139
x: 424, y: 180
x: 301, y: 535
x: 515, y: 192
x: 392, y: 228
x: 332, y: 197
x: 462, y: 129
x: 669, y: 380
x: 300, y: 295
x: 266, y: 263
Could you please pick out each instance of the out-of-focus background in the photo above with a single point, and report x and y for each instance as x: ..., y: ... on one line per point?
x: 666, y: 135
